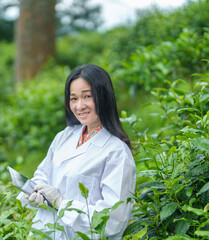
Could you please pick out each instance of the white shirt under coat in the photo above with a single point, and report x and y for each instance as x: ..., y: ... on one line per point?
x: 104, y: 164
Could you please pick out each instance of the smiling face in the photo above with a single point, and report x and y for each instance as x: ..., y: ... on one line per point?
x: 82, y: 104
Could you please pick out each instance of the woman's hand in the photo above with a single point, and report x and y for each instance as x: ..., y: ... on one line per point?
x: 35, y: 199
x: 50, y: 192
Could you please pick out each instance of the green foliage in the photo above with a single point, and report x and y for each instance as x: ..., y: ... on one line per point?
x: 35, y: 112
x: 155, y: 25
x: 173, y: 204
x: 150, y: 66
x: 15, y: 221
x: 79, y: 49
x: 84, y: 190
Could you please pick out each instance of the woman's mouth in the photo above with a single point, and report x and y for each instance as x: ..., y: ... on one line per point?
x: 83, y: 115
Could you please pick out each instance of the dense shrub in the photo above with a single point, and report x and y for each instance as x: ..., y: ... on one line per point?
x: 154, y: 25
x: 173, y: 192
x: 150, y: 66
x: 79, y: 49
x: 35, y: 112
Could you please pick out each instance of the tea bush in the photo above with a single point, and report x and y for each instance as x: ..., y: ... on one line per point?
x: 172, y: 196
x: 15, y: 221
x: 150, y: 66
x: 35, y: 112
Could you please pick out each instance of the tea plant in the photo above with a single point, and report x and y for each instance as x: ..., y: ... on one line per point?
x: 16, y: 221
x: 174, y: 202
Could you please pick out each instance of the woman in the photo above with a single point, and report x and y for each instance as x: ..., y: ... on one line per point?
x: 93, y: 150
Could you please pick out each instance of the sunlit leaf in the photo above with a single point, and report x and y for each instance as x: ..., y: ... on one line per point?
x: 202, y: 233
x: 180, y: 237
x: 201, y: 144
x: 83, y: 236
x: 151, y: 184
x: 84, y: 190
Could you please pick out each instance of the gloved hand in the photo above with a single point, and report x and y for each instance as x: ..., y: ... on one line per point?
x: 50, y: 192
x: 35, y: 199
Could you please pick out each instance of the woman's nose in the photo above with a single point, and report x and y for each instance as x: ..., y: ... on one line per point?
x: 80, y: 105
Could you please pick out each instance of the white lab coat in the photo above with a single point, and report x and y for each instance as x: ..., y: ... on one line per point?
x: 104, y: 164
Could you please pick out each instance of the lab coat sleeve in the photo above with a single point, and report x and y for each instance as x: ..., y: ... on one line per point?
x: 117, y: 184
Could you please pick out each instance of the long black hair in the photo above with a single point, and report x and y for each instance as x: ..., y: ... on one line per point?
x: 104, y: 99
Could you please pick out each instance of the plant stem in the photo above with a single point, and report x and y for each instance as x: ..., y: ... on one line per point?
x: 89, y: 218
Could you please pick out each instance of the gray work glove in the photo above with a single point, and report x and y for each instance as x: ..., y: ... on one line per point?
x: 35, y: 199
x: 50, y: 192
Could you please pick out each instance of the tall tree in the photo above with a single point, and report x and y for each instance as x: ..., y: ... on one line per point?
x: 35, y: 36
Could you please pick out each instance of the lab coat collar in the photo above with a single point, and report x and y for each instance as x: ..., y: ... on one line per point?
x: 99, y: 139
x: 70, y: 150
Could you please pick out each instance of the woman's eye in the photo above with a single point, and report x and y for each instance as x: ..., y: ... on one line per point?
x: 72, y: 99
x: 88, y: 96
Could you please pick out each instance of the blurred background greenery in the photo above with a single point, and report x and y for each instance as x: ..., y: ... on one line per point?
x: 160, y: 46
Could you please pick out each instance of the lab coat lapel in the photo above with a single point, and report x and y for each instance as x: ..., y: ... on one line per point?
x: 100, y: 138
x: 70, y: 150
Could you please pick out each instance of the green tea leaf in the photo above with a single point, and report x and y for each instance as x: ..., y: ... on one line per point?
x: 179, y: 237
x: 187, y: 110
x: 197, y: 171
x: 60, y: 227
x: 204, y: 188
x: 204, y: 97
x: 61, y: 214
x: 99, y: 219
x: 51, y: 225
x: 39, y: 232
x: 19, y: 204
x: 202, y: 233
x: 140, y: 234
x: 62, y: 211
x: 100, y: 229
x: 76, y: 210
x: 147, y: 173
x: 182, y: 227
x: 151, y: 184
x: 83, y: 236
x: 116, y: 205
x: 84, y: 190
x: 191, y: 221
x: 197, y: 211
x: 201, y: 144
x: 168, y: 210
x: 7, y: 236
x: 132, y: 228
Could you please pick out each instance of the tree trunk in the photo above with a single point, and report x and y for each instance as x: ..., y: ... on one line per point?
x: 35, y: 36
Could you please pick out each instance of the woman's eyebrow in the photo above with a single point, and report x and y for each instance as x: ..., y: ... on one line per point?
x: 83, y: 91
x: 87, y: 90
